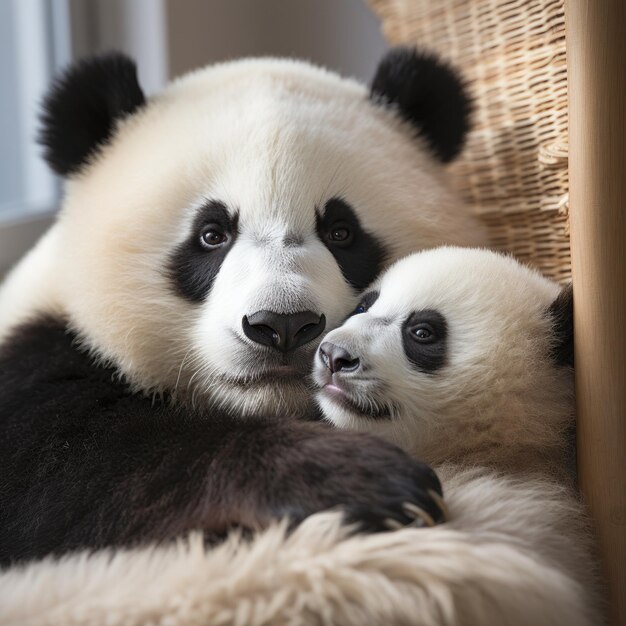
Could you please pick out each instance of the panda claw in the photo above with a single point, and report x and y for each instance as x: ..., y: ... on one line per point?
x: 439, y: 501
x: 420, y: 516
x: 393, y: 524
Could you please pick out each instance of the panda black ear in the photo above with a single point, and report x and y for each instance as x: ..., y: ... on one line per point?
x: 82, y: 107
x: 561, y: 312
x: 428, y: 94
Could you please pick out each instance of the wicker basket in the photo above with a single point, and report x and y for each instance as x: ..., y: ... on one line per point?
x: 513, y: 171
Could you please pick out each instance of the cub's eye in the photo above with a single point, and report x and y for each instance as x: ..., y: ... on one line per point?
x: 423, y: 333
x: 366, y: 302
x: 213, y: 237
x: 340, y: 233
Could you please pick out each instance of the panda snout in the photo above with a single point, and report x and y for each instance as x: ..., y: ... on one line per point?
x: 283, y: 332
x: 338, y: 359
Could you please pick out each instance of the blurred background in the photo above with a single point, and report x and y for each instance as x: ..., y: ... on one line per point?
x: 166, y: 38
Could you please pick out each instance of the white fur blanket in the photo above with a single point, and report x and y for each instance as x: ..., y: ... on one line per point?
x: 318, y: 575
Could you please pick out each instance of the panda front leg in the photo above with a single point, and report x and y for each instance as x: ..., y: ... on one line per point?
x: 86, y: 464
x: 249, y: 474
x: 272, y: 470
x: 96, y: 490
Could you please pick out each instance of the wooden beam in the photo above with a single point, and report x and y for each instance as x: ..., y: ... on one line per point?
x: 596, y: 50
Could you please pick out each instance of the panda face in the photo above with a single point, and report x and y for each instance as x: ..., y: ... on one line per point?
x: 211, y: 234
x: 264, y: 292
x: 450, y: 350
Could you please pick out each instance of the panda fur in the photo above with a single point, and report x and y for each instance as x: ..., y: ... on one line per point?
x: 128, y: 333
x: 464, y: 358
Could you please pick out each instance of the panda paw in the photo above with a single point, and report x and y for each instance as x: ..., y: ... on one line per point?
x: 421, y: 517
x: 424, y: 508
x: 378, y: 486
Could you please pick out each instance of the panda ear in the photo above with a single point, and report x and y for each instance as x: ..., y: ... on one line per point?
x: 82, y: 107
x: 561, y: 312
x: 428, y: 94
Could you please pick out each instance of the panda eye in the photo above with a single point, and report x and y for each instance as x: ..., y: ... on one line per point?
x: 423, y: 333
x: 213, y: 237
x: 366, y: 302
x: 339, y: 233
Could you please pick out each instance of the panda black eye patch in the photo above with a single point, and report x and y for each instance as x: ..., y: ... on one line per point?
x: 366, y: 302
x: 424, y: 340
x: 358, y: 253
x: 196, y: 262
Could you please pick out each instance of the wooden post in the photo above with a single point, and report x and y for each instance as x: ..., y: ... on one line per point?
x: 596, y: 51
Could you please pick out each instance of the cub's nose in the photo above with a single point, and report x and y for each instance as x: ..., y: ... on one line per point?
x: 338, y: 359
x: 283, y: 332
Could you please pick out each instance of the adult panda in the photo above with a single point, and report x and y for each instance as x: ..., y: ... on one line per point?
x: 208, y: 236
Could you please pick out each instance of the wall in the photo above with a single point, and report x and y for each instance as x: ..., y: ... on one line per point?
x: 340, y: 34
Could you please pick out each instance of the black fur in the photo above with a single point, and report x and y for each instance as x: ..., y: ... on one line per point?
x: 86, y: 463
x: 561, y: 312
x: 361, y: 257
x: 83, y: 106
x: 428, y: 94
x: 193, y: 268
x: 430, y: 355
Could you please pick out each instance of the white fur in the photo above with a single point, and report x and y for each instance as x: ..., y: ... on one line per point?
x: 273, y: 139
x: 482, y: 568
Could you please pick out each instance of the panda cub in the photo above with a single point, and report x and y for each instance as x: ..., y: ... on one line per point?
x: 464, y: 358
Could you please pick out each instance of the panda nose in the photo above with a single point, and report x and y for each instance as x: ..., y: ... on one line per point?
x: 283, y: 332
x: 338, y: 359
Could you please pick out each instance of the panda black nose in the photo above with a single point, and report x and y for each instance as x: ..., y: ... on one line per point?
x: 283, y: 332
x: 338, y: 359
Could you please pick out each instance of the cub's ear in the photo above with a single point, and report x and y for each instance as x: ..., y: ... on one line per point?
x: 428, y: 94
x: 561, y: 312
x: 82, y: 107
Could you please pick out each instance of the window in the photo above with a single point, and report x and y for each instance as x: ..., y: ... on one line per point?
x: 34, y: 42
x: 37, y: 39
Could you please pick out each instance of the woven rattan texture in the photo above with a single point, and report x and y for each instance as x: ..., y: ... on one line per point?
x: 514, y: 168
